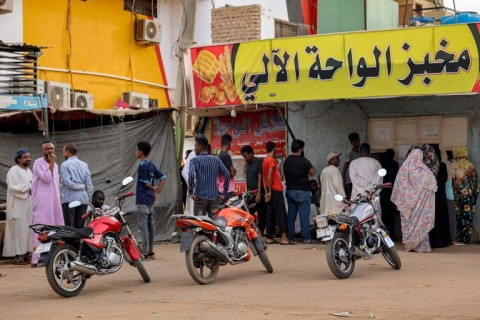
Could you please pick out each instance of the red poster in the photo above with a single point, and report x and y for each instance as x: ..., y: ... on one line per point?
x: 253, y: 128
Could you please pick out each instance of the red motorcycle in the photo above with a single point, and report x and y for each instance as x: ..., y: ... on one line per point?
x: 232, y: 237
x: 71, y: 255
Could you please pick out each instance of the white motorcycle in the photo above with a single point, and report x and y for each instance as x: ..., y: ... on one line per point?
x: 356, y: 233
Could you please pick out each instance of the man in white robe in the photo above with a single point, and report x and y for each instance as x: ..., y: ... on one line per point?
x: 331, y: 184
x: 364, y: 172
x: 189, y: 203
x: 19, y: 209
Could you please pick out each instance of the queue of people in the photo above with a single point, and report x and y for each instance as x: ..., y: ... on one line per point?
x: 430, y: 206
x: 434, y: 194
x: 42, y: 196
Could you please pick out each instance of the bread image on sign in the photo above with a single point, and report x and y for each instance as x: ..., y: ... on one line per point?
x: 206, y: 66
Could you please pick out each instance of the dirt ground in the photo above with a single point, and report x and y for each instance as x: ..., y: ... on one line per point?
x: 444, y: 284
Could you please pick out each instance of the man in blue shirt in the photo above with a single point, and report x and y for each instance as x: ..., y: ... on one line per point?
x: 147, y: 193
x: 75, y: 185
x: 202, y: 179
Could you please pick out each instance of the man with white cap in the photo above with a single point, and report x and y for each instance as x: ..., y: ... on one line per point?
x: 19, y: 209
x: 331, y: 183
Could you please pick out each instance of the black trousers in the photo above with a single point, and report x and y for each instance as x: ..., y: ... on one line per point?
x: 276, y: 212
x: 73, y: 216
x: 261, y: 209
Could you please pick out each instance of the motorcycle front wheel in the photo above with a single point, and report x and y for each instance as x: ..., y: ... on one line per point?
x: 63, y: 281
x: 201, y: 267
x: 141, y: 269
x: 265, y: 261
x: 339, y: 260
x: 392, y: 257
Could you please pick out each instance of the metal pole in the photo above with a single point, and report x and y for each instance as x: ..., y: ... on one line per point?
x: 284, y: 119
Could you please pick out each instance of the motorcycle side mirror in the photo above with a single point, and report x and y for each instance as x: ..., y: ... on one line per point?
x: 338, y: 197
x: 127, y: 180
x: 382, y: 172
x: 74, y: 204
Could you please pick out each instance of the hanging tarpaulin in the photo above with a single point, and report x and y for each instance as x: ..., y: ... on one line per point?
x: 404, y: 62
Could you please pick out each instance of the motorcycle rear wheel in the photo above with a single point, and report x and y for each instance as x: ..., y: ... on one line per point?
x: 336, y: 249
x: 201, y: 267
x: 141, y: 269
x: 392, y: 257
x: 63, y: 281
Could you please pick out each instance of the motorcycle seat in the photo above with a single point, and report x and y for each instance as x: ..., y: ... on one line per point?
x: 82, y: 232
x: 219, y: 222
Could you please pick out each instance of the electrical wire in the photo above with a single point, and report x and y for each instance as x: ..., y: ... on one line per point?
x: 176, y: 45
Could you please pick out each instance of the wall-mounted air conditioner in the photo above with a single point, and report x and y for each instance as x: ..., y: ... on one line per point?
x: 82, y: 100
x: 58, y: 94
x: 148, y: 31
x: 6, y: 6
x: 136, y: 100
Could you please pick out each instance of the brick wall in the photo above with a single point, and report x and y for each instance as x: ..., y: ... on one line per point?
x: 232, y: 24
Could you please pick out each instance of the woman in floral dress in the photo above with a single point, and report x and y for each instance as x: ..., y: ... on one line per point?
x: 414, y: 194
x: 466, y: 190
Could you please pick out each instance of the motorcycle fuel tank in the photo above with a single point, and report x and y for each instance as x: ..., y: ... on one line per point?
x: 236, y: 217
x: 363, y: 212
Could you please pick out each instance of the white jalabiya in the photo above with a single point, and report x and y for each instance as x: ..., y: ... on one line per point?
x: 185, y: 172
x: 364, y: 174
x: 19, y: 212
x: 331, y: 184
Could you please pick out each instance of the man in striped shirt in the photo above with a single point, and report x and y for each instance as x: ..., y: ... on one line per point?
x: 202, y: 179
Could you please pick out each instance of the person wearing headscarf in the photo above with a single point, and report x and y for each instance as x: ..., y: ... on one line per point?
x: 430, y: 158
x: 414, y: 194
x: 19, y: 209
x: 440, y: 234
x: 466, y: 189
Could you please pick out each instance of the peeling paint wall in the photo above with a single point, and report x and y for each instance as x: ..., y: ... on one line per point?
x: 325, y: 126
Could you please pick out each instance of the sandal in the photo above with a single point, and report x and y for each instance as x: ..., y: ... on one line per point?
x: 289, y: 242
x: 271, y: 241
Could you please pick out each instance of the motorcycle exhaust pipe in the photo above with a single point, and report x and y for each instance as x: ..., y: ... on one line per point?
x: 211, y: 249
x: 83, y: 268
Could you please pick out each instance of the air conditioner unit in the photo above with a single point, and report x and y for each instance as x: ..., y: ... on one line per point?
x: 6, y: 6
x: 136, y: 100
x: 58, y: 94
x: 148, y: 31
x: 82, y: 100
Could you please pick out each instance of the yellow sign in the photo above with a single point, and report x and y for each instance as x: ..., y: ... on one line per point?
x: 404, y: 62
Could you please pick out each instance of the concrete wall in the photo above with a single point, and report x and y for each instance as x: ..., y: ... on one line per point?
x: 325, y: 126
x: 11, y: 24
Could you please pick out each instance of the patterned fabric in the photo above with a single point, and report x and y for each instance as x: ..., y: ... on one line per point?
x: 414, y: 194
x: 466, y: 191
x: 429, y: 157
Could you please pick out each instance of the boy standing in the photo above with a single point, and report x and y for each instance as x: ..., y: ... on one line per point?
x: 146, y: 196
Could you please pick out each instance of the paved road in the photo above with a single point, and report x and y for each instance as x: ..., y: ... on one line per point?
x: 440, y: 285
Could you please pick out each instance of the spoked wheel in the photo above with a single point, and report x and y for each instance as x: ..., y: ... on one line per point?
x: 392, y: 257
x: 63, y: 281
x: 339, y: 260
x: 201, y: 267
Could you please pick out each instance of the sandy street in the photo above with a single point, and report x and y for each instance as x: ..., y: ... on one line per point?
x: 440, y: 285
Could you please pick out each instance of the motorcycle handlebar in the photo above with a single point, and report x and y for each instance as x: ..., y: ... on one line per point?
x: 126, y: 195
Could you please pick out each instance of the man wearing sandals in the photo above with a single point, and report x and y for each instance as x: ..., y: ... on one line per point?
x: 274, y: 196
